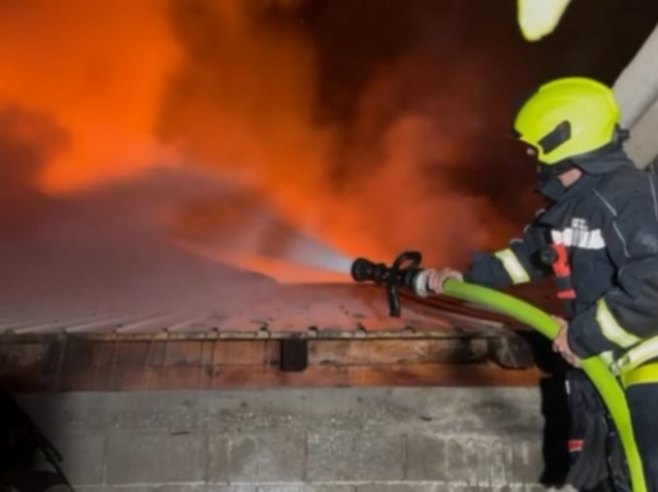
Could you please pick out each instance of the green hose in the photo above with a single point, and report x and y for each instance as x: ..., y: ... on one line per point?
x: 596, y: 369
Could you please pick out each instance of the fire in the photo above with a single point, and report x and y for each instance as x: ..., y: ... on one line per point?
x: 96, y: 69
x: 244, y: 104
x: 232, y: 86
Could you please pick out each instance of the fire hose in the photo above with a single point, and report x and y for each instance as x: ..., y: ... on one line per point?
x: 407, y: 265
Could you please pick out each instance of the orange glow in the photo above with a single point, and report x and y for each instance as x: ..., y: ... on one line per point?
x: 98, y: 69
x: 243, y: 105
x: 226, y: 86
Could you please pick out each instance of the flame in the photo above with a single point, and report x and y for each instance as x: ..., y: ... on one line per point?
x: 232, y: 86
x: 99, y: 70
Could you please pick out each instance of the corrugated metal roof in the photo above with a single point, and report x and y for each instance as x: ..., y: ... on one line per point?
x: 331, y: 310
x: 108, y: 262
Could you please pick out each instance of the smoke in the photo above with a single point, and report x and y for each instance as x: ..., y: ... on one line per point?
x: 238, y: 227
x: 28, y: 141
x: 373, y: 177
x: 323, y: 154
x: 242, y: 101
x: 105, y: 250
x: 336, y: 128
x: 413, y: 132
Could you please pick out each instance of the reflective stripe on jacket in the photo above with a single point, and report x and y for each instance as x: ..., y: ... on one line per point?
x: 609, y: 225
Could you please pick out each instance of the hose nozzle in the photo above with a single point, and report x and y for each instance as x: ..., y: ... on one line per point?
x: 400, y: 274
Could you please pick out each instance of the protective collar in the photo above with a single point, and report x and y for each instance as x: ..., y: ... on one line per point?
x: 602, y: 161
x: 548, y: 183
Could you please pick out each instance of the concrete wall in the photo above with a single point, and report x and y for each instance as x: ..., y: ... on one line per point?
x: 636, y: 90
x: 336, y: 440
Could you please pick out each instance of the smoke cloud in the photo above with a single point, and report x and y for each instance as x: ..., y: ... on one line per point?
x: 335, y: 128
x: 373, y: 176
x: 28, y: 141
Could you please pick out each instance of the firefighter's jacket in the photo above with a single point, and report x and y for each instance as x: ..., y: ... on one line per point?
x: 609, y: 225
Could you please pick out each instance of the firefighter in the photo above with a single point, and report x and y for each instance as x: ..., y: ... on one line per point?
x: 604, y: 212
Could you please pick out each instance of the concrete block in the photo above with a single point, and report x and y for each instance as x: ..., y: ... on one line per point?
x: 277, y: 455
x: 330, y: 488
x: 479, y: 460
x: 203, y: 488
x: 227, y: 488
x: 217, y: 465
x: 283, y: 488
x: 86, y: 412
x: 460, y: 487
x: 182, y: 487
x: 166, y: 488
x: 135, y: 457
x: 83, y: 457
x: 526, y: 462
x: 104, y: 488
x: 399, y: 487
x: 338, y: 455
x: 306, y: 488
x: 470, y: 459
x: 427, y: 457
x: 156, y: 411
x: 524, y: 487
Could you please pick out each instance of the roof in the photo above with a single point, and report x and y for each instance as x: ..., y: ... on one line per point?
x: 276, y: 311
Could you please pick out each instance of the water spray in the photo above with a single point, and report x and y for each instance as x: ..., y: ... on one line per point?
x: 311, y: 252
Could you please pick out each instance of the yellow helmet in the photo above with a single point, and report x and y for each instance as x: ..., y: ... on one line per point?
x: 568, y: 117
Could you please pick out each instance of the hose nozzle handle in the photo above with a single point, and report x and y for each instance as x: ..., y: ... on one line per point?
x: 400, y: 274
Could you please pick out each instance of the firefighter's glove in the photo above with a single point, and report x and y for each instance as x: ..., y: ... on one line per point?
x: 430, y: 280
x: 589, y: 463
